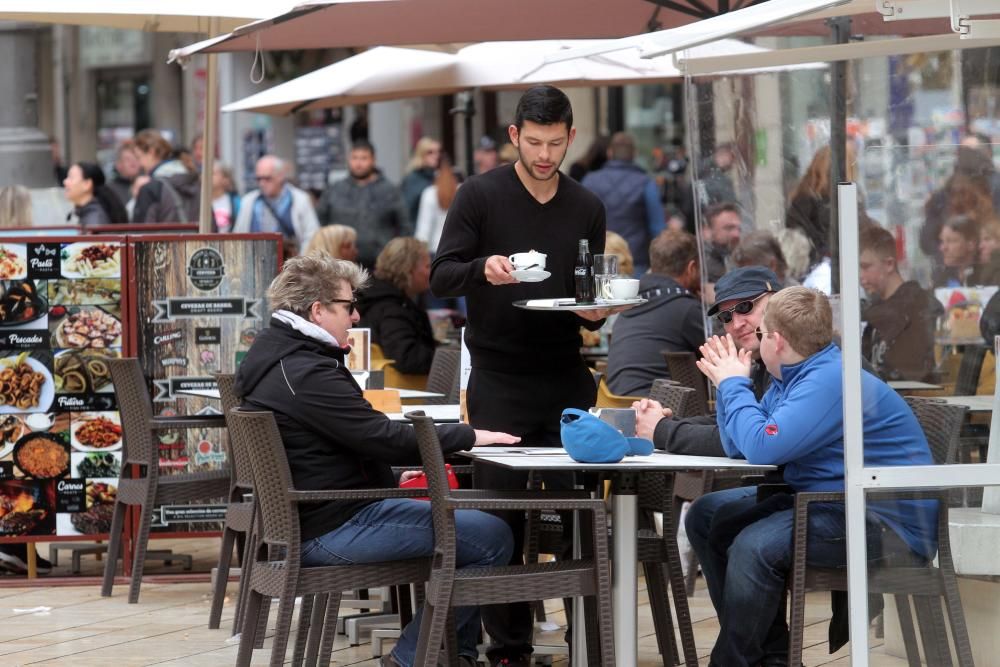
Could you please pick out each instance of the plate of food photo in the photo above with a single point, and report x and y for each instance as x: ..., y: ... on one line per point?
x: 26, y: 385
x: 40, y: 455
x: 97, y: 432
x: 13, y: 261
x: 20, y: 302
x: 11, y: 430
x: 91, y: 260
x: 87, y: 327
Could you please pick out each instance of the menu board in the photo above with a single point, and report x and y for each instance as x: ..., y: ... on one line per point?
x: 199, y: 303
x: 61, y: 318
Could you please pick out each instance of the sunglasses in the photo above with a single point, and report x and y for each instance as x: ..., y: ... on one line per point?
x: 352, y: 304
x: 742, y: 308
x: 761, y: 333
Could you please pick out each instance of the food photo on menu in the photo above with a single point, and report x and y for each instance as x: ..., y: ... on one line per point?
x: 91, y: 260
x: 89, y: 512
x: 23, y: 304
x: 27, y: 507
x: 13, y: 261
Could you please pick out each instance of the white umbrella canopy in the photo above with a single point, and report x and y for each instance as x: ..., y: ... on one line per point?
x: 175, y: 16
x: 387, y: 72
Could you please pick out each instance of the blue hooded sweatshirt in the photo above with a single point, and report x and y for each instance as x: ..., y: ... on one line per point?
x: 799, y: 423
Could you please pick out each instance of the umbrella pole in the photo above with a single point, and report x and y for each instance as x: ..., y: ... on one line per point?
x: 208, y: 137
x: 840, y: 32
x: 468, y: 110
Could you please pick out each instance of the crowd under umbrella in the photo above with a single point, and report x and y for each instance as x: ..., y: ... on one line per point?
x: 183, y: 16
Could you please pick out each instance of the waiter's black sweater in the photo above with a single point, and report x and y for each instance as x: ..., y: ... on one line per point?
x: 494, y: 214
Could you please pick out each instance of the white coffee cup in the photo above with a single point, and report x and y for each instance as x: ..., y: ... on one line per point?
x: 522, y: 260
x: 624, y: 288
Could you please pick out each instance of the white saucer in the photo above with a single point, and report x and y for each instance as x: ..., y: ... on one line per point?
x: 530, y: 275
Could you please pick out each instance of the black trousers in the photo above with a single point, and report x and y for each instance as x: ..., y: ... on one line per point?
x: 527, y: 405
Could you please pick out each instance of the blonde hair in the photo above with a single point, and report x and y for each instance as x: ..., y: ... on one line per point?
x: 615, y: 244
x: 423, y: 147
x: 306, y: 279
x: 331, y: 239
x: 795, y: 247
x: 803, y: 318
x: 816, y: 181
x: 397, y: 260
x: 15, y: 207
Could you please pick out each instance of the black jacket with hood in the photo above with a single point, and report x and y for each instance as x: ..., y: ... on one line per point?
x: 332, y: 436
x: 400, y: 326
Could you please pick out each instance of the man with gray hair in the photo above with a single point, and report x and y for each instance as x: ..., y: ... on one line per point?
x: 334, y: 439
x: 277, y: 206
x: 631, y: 198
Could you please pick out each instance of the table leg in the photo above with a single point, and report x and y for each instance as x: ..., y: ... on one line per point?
x: 625, y: 575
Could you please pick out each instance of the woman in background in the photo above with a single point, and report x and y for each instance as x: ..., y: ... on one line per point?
x: 338, y: 241
x: 420, y: 173
x: 170, y: 190
x: 434, y: 203
x: 15, y: 207
x: 389, y: 307
x: 225, y: 198
x: 94, y: 203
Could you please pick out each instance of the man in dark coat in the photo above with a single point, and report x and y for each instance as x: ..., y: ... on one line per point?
x: 335, y: 440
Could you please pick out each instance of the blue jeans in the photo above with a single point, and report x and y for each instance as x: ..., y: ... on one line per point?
x: 747, y: 581
x: 401, y: 528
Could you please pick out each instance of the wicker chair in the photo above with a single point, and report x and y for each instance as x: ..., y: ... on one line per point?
x: 444, y: 375
x: 239, y: 516
x: 683, y: 370
x: 975, y: 437
x: 140, y: 482
x: 903, y: 576
x: 285, y: 578
x: 449, y: 587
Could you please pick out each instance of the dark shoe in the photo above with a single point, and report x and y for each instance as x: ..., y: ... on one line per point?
x: 467, y: 661
x: 14, y: 559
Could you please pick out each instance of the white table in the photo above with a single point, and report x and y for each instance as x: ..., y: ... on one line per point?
x: 403, y: 393
x: 912, y: 385
x: 980, y: 403
x: 441, y: 414
x: 624, y: 510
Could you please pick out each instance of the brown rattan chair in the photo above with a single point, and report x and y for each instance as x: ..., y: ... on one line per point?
x: 683, y: 370
x: 444, y: 375
x: 904, y: 575
x: 239, y: 516
x: 140, y: 483
x: 282, y: 576
x: 449, y: 587
x: 658, y: 553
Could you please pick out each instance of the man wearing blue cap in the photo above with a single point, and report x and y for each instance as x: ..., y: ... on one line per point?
x: 740, y: 299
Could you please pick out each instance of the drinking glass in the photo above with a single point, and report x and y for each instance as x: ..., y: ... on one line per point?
x: 605, y: 269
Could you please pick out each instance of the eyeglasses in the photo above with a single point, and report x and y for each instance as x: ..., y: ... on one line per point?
x: 264, y: 178
x: 352, y: 304
x: 743, y: 308
x: 761, y: 333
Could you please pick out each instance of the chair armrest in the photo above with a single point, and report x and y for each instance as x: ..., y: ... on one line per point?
x: 354, y: 494
x: 504, y: 503
x: 488, y: 494
x: 166, y: 423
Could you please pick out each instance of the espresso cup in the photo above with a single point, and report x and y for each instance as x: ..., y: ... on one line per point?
x: 624, y: 288
x: 522, y: 260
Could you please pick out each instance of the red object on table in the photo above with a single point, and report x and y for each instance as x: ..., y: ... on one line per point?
x: 420, y: 481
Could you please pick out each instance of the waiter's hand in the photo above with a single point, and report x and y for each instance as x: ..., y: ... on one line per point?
x: 600, y: 313
x: 495, y: 438
x: 498, y: 270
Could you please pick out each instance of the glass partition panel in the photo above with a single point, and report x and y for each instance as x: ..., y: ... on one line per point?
x: 919, y: 142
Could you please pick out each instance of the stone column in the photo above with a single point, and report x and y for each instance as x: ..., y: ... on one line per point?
x: 25, y: 155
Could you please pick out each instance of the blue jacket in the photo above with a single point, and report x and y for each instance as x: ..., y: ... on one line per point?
x: 799, y: 423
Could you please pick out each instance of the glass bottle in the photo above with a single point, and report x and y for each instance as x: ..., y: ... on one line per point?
x: 584, y: 274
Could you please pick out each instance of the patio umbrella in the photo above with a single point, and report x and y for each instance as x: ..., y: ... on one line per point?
x: 204, y: 16
x: 387, y: 72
